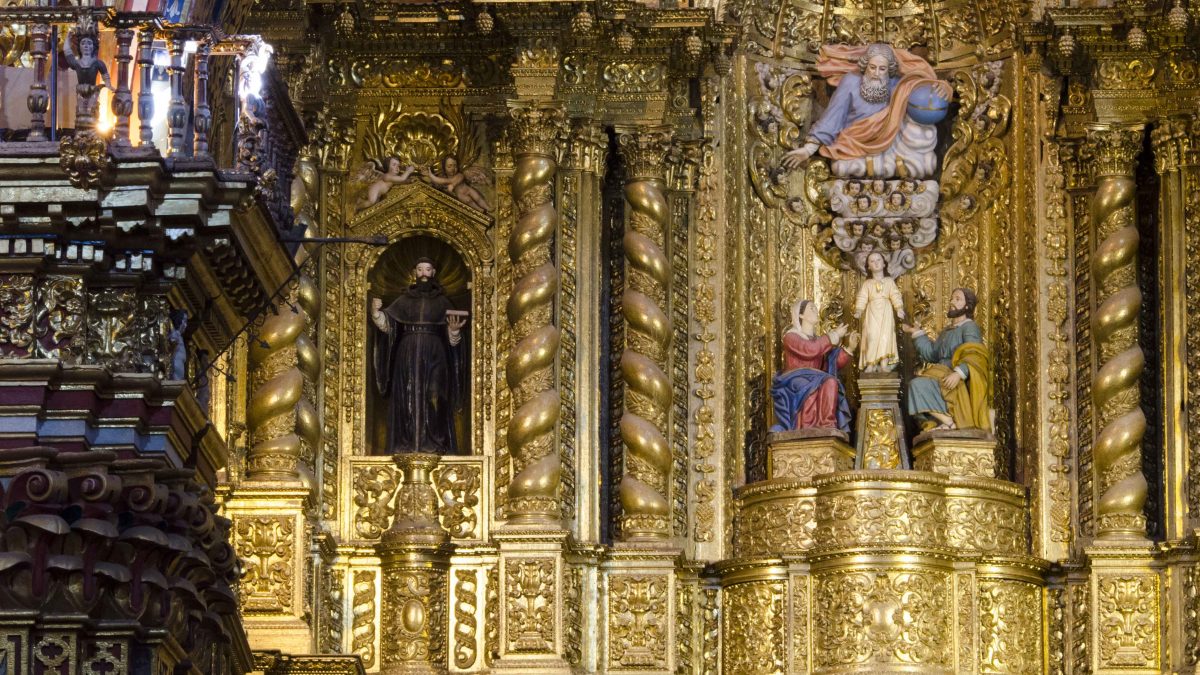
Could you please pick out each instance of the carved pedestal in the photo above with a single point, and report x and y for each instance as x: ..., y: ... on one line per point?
x: 880, y: 428
x: 1125, y: 591
x: 530, y: 586
x: 640, y: 609
x: 414, y: 560
x: 805, y: 453
x: 882, y: 571
x: 271, y: 537
x: 966, y: 453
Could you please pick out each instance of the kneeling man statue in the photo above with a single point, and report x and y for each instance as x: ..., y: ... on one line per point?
x: 954, y: 391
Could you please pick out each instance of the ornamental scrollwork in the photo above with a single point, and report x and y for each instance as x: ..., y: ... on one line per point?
x: 1127, y: 617
x: 387, y: 72
x: 529, y: 605
x: 637, y: 621
x: 899, y: 518
x: 363, y: 619
x: 775, y: 527
x: 755, y: 628
x: 986, y: 526
x: 374, y: 499
x: 458, y: 487
x: 883, y: 617
x: 466, y: 605
x: 413, y: 600
x: 1010, y: 627
x: 633, y: 78
x: 266, y: 546
x: 16, y: 315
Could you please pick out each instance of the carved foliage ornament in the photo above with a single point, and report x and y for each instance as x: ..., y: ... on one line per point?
x: 637, y: 621
x: 536, y: 129
x: 84, y: 156
x: 883, y: 617
x: 1127, y: 615
x: 266, y: 545
x: 529, y: 589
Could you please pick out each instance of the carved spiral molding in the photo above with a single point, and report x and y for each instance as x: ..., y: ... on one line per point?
x: 281, y: 421
x: 644, y: 488
x: 1121, y: 486
x: 537, y: 468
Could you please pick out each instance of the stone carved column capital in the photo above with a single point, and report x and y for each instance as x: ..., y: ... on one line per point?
x: 1166, y: 137
x: 589, y: 147
x: 536, y: 128
x: 1189, y: 140
x: 1114, y: 148
x: 683, y: 164
x: 645, y: 151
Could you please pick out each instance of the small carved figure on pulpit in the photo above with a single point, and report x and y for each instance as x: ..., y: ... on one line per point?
x: 878, y: 306
x: 87, y: 66
x: 418, y: 365
x: 808, y: 394
x: 175, y: 336
x: 460, y: 184
x: 954, y: 390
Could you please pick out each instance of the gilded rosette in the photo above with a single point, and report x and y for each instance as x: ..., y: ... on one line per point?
x: 644, y: 488
x: 537, y: 469
x: 1122, y: 424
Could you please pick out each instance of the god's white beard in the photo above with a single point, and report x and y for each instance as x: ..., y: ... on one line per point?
x: 873, y: 90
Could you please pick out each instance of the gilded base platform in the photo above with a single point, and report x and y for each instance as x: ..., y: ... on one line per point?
x: 852, y: 572
x: 966, y: 452
x: 805, y: 453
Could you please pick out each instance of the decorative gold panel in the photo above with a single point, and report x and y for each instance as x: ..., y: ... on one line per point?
x: 462, y: 484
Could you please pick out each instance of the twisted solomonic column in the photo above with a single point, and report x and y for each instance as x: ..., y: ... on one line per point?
x: 281, y: 420
x: 535, y: 131
x: 1120, y: 484
x: 645, y: 486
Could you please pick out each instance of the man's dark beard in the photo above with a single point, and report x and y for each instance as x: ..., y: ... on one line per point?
x: 955, y: 313
x: 424, y: 287
x: 873, y: 91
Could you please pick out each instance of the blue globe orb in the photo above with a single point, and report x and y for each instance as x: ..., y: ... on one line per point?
x: 926, y: 105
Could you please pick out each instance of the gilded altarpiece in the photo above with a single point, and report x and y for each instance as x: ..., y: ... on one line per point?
x: 992, y: 557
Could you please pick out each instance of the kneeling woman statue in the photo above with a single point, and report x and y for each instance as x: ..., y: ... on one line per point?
x: 809, y: 394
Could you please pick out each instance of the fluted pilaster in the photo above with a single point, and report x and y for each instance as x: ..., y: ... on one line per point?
x: 645, y: 486
x: 535, y: 132
x: 1120, y: 485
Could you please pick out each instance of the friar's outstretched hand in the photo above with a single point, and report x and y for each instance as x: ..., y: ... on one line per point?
x: 455, y: 323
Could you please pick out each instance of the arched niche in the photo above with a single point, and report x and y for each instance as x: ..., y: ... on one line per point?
x: 418, y: 214
x: 390, y: 277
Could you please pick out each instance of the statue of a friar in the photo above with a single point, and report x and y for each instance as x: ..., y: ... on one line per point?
x: 879, y: 122
x: 419, y: 364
